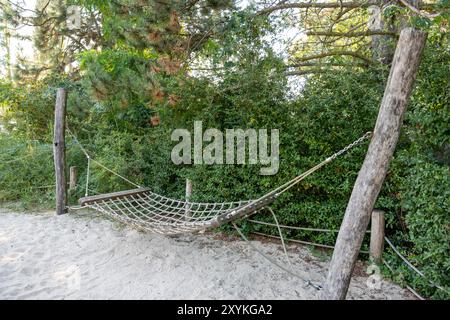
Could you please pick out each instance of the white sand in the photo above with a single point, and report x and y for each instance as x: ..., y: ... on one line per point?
x: 84, y: 256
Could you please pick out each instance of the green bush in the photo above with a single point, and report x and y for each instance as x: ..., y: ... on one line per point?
x: 26, y: 173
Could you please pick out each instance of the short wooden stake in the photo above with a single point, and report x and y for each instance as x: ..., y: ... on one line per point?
x: 377, y: 236
x: 72, y: 178
x: 59, y: 151
x: 188, y: 198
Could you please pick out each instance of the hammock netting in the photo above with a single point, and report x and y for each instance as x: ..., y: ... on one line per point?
x: 149, y: 211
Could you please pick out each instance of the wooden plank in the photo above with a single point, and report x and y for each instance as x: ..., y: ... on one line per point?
x: 377, y: 236
x: 246, y: 210
x: 114, y: 195
x: 59, y: 151
x: 374, y: 169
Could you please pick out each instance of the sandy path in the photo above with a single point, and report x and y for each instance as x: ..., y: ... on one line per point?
x: 82, y: 256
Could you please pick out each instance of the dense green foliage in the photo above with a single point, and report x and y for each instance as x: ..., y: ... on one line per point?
x: 128, y: 97
x: 418, y: 185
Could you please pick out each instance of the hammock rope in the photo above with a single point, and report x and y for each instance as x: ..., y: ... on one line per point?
x: 272, y: 261
x: 150, y: 211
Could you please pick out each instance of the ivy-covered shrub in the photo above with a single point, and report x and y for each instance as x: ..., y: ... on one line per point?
x: 417, y: 189
x: 425, y: 197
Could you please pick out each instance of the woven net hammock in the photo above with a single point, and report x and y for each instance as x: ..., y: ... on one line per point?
x: 149, y: 211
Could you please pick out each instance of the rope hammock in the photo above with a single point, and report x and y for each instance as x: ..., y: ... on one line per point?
x: 146, y: 210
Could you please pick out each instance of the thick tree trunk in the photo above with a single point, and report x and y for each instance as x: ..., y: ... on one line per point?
x: 382, y: 45
x: 371, y: 176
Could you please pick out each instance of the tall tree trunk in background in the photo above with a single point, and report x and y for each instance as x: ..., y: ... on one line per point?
x: 373, y: 172
x: 7, y: 37
x: 382, y: 45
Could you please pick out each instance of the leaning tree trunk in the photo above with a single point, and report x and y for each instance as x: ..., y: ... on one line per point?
x: 371, y: 176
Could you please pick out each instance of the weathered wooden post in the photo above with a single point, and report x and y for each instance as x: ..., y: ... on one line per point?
x: 188, y: 197
x: 59, y: 151
x: 377, y: 236
x: 373, y: 171
x: 72, y: 178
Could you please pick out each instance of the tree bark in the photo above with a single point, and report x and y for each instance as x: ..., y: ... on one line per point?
x: 337, y: 53
x: 73, y: 178
x: 377, y: 236
x: 382, y: 45
x: 188, y: 198
x: 373, y: 172
x: 7, y: 44
x: 370, y: 32
x: 333, y: 5
x: 59, y: 151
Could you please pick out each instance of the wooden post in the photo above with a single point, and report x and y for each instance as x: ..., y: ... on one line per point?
x: 373, y: 171
x: 72, y: 178
x: 377, y: 236
x: 59, y: 151
x: 188, y: 197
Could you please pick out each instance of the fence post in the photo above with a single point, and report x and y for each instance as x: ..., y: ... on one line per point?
x: 72, y: 178
x: 188, y: 197
x: 59, y: 151
x: 377, y: 236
